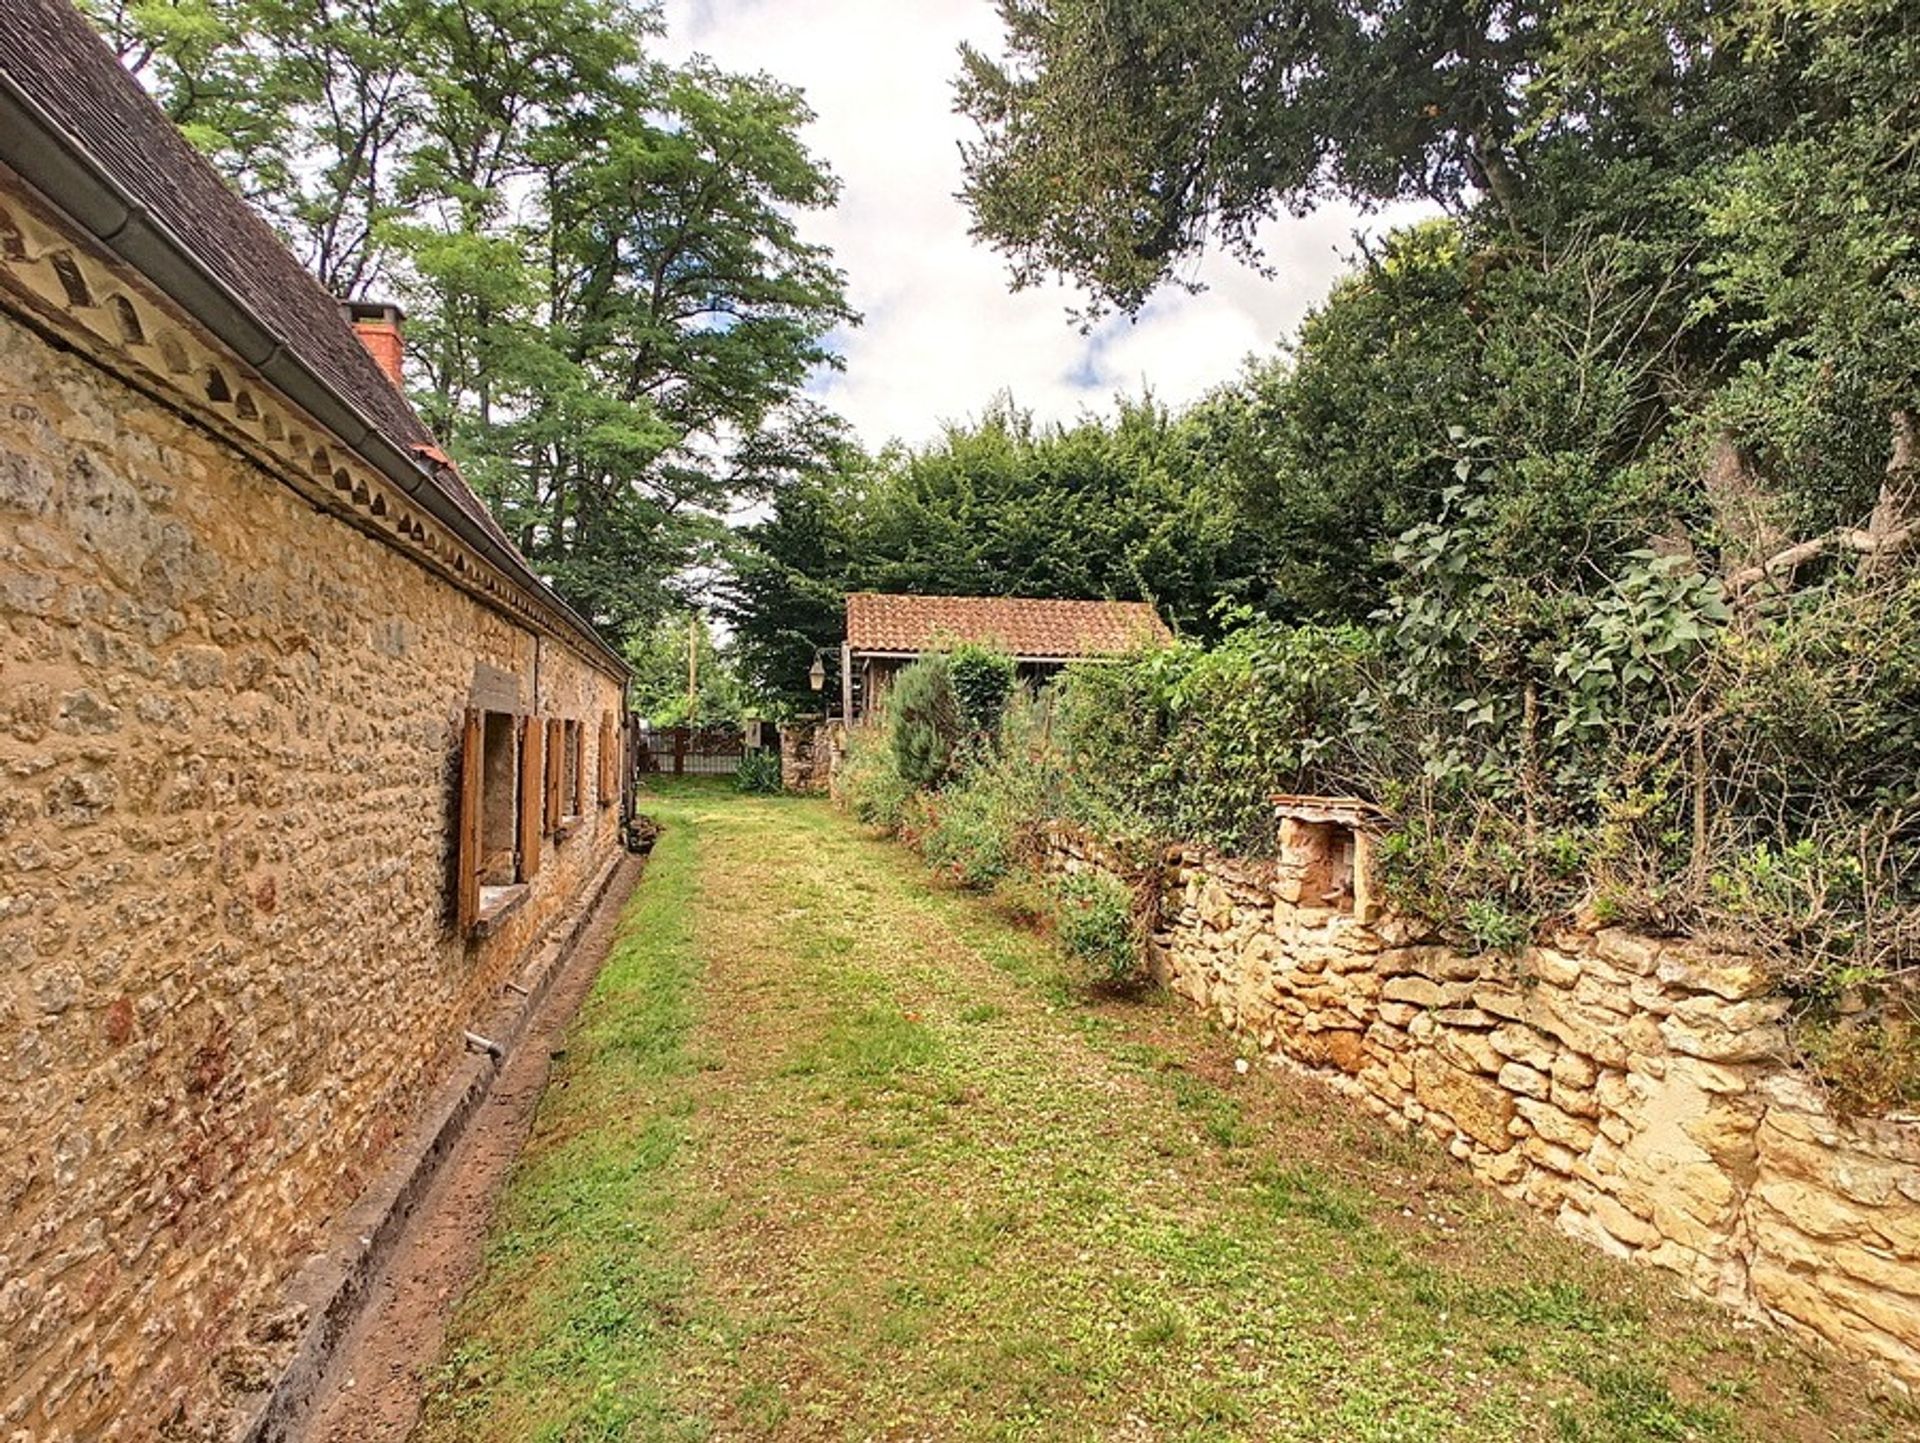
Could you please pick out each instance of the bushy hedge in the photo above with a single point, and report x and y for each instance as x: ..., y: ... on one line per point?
x: 926, y: 722
x: 1190, y: 743
x: 1645, y: 750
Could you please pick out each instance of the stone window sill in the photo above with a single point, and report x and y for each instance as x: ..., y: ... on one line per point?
x: 496, y: 905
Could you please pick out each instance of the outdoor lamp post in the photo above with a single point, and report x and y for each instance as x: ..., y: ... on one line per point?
x: 817, y: 677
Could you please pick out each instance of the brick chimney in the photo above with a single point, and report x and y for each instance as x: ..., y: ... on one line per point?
x: 377, y: 324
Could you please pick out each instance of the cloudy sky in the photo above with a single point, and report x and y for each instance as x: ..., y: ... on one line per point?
x: 942, y: 332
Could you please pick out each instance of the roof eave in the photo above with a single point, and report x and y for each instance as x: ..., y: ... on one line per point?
x: 64, y: 170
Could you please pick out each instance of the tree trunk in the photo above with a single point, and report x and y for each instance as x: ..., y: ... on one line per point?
x: 1741, y: 505
x: 1899, y: 504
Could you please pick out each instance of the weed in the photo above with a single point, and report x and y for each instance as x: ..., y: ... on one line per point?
x: 759, y: 773
x: 1096, y: 926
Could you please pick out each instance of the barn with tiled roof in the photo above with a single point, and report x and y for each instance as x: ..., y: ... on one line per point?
x: 1041, y: 634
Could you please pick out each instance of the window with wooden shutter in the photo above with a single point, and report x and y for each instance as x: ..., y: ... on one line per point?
x: 468, y: 855
x: 531, y: 799
x: 556, y: 769
x: 609, y: 779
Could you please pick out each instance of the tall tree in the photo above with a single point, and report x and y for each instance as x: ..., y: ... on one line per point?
x: 1118, y: 136
x: 613, y: 314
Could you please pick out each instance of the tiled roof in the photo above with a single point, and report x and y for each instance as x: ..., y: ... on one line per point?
x: 1019, y: 625
x: 52, y: 54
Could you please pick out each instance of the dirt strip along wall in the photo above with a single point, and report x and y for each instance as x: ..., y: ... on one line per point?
x: 1636, y: 1090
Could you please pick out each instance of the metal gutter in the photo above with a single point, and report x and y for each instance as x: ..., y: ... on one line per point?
x: 69, y: 175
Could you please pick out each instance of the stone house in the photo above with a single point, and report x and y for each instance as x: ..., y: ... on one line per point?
x: 887, y: 632
x: 304, y: 773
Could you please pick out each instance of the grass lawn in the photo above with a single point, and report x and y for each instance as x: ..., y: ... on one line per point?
x: 833, y: 1154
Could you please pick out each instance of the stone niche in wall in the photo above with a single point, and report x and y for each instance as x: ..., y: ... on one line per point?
x: 1326, y: 854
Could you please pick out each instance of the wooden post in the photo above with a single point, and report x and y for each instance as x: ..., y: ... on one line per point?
x: 679, y: 750
x: 846, y: 682
x: 693, y: 670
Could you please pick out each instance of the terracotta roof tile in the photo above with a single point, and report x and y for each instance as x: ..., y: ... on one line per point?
x: 1022, y: 626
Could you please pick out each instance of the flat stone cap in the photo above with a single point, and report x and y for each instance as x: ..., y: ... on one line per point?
x: 1347, y: 811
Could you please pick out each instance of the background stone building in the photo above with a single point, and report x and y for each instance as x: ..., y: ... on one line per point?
x: 300, y: 763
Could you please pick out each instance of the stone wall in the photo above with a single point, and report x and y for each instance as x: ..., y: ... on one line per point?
x: 1637, y: 1090
x: 229, y: 971
x: 809, y: 755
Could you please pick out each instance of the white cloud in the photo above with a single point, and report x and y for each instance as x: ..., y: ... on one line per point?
x: 943, y: 333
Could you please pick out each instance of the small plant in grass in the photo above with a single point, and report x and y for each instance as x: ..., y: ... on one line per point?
x: 759, y: 773
x: 1095, y: 920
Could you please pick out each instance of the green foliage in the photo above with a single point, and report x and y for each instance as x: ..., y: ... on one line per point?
x: 1119, y: 135
x: 659, y: 690
x: 1145, y: 507
x: 1190, y: 743
x: 925, y: 721
x: 613, y: 317
x: 967, y: 840
x: 759, y: 772
x: 985, y: 826
x: 870, y: 784
x: 983, y: 681
x: 1096, y: 926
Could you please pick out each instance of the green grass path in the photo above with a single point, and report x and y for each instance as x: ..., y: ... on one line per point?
x: 835, y: 1155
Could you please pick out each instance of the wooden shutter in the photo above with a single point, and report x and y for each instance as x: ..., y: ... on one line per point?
x: 531, y: 803
x: 467, y: 848
x: 556, y: 769
x: 607, y: 780
x: 579, y: 750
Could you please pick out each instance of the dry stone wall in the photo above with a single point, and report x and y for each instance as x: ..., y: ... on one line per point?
x: 809, y: 754
x: 229, y: 974
x: 1637, y: 1090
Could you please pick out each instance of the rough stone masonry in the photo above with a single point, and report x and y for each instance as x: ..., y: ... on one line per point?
x: 230, y: 731
x: 1637, y: 1090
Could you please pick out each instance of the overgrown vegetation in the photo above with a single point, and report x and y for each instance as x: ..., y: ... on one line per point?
x: 1660, y: 758
x: 826, y: 1157
x: 759, y: 772
x: 1097, y: 925
x: 1578, y: 526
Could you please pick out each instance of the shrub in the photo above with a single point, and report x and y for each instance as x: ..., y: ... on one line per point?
x: 759, y: 772
x: 968, y: 839
x: 989, y: 817
x: 1181, y: 742
x: 924, y: 717
x: 1096, y: 926
x: 870, y: 785
x: 983, y: 682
